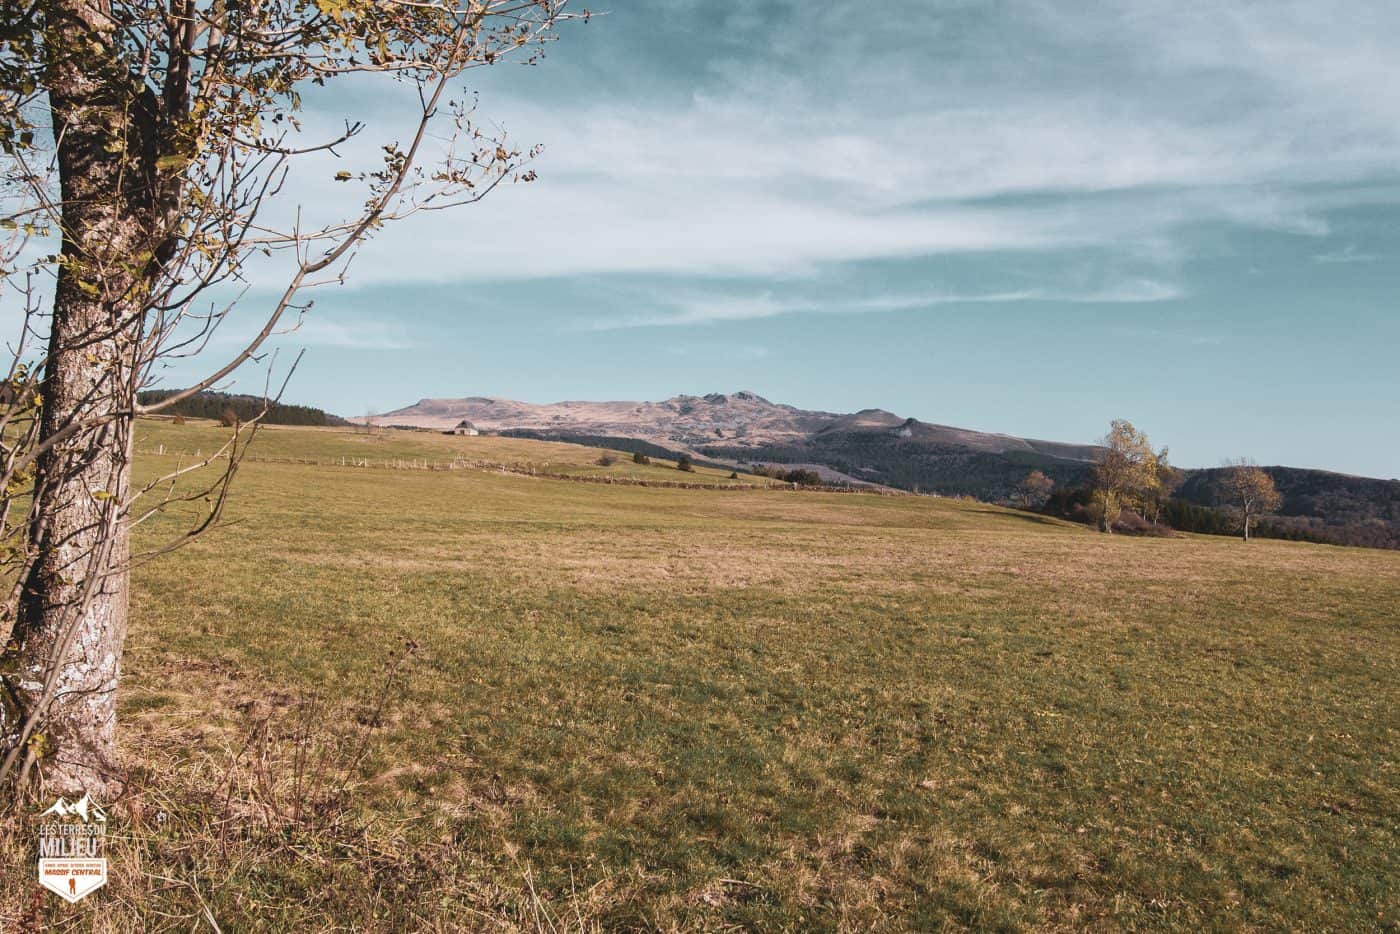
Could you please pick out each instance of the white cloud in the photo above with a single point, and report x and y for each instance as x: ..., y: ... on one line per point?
x: 316, y: 328
x: 845, y: 137
x: 321, y: 331
x: 670, y: 310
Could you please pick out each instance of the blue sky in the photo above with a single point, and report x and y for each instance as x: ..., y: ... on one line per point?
x: 1028, y: 216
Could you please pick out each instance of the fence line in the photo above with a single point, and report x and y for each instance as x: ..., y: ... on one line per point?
x: 511, y: 469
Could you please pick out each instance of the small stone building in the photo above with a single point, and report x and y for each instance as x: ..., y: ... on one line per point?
x: 464, y: 427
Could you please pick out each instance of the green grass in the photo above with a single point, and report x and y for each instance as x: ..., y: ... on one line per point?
x: 686, y: 709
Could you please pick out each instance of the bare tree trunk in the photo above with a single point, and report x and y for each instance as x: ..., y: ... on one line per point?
x: 1110, y: 506
x: 1246, y: 525
x: 73, y: 613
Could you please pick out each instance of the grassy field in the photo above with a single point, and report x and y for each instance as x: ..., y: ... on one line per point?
x: 648, y: 708
x: 397, y: 449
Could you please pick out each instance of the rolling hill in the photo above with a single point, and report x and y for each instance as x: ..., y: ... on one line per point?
x: 740, y: 425
x: 743, y: 429
x: 874, y: 447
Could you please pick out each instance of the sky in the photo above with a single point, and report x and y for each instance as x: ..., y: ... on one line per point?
x: 1023, y: 216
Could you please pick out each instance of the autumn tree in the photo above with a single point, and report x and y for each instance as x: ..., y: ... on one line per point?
x: 1169, y: 479
x: 1125, y: 472
x: 1249, y: 492
x: 153, y: 142
x: 1034, y: 490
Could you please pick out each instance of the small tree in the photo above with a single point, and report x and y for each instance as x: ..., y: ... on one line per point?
x: 642, y: 459
x: 686, y: 464
x: 1249, y: 492
x: 1034, y: 491
x: 228, y: 417
x: 801, y: 477
x: 606, y: 460
x: 1125, y: 473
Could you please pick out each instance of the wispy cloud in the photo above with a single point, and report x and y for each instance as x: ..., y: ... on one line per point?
x: 318, y: 331
x: 1164, y: 336
x: 694, y: 309
x: 1347, y: 254
x: 320, y: 328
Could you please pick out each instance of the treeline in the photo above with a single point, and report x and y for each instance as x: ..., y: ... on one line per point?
x: 917, y: 466
x: 1315, y: 506
x: 1318, y: 494
x: 1182, y: 516
x: 215, y: 405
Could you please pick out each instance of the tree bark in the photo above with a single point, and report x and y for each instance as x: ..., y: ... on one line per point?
x: 72, y: 616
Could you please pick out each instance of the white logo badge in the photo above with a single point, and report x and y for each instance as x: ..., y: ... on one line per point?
x: 72, y: 855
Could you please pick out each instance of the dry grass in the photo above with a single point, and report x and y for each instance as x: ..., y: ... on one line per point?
x: 672, y: 709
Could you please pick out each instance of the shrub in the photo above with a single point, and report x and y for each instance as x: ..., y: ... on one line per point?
x: 640, y: 458
x: 796, y: 475
x: 606, y: 460
x: 178, y: 420
x: 1131, y: 523
x: 228, y: 417
x: 686, y: 464
x: 734, y: 475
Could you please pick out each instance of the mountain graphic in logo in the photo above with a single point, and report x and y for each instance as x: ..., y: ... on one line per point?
x: 84, y: 809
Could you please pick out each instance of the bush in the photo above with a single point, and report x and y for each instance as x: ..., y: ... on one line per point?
x: 606, y: 460
x: 686, y: 464
x: 640, y: 458
x: 1189, y: 517
x: 734, y: 475
x: 1130, y: 523
x: 228, y: 417
x: 178, y: 420
x: 797, y: 476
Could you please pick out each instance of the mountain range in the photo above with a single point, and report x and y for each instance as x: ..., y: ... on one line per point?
x: 876, y: 447
x: 742, y: 421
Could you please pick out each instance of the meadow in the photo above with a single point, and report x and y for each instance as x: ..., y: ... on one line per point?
x: 472, y: 699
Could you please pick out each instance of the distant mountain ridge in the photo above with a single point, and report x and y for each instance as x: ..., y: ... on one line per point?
x: 740, y: 420
x: 876, y: 447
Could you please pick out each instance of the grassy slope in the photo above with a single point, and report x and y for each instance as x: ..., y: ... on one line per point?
x: 330, y: 445
x: 674, y: 708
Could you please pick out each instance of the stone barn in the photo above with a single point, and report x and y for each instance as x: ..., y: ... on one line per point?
x: 463, y: 427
